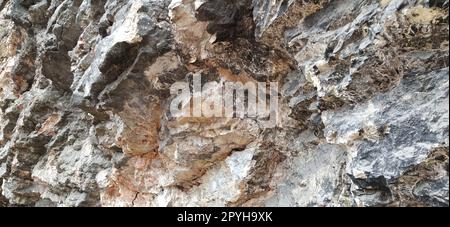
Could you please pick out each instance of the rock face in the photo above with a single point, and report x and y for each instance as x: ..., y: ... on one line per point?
x: 85, y: 95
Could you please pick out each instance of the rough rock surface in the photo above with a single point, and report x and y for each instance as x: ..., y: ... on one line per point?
x: 85, y: 95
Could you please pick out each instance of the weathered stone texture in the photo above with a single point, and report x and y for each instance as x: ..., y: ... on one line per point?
x: 85, y: 96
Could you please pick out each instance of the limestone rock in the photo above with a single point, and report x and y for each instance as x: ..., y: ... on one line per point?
x: 85, y: 103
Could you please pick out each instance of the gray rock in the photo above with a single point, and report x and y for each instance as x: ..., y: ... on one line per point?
x: 85, y: 97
